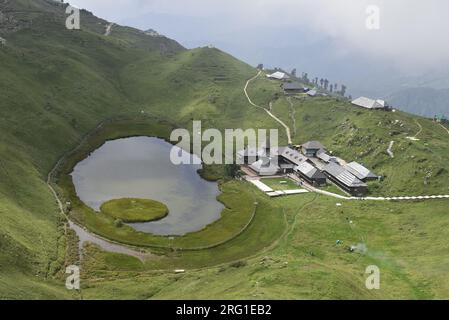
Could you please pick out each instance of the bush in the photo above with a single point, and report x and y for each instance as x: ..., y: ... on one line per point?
x: 239, y: 264
x: 118, y: 223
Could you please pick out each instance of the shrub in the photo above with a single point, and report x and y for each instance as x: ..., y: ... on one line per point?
x: 239, y: 264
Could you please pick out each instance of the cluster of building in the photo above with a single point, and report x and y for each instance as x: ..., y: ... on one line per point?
x: 291, y: 88
x: 311, y: 163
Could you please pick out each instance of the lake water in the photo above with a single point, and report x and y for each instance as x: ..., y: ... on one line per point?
x: 140, y: 167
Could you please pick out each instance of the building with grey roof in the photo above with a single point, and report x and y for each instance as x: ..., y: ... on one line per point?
x: 322, y: 155
x: 310, y: 174
x: 345, y: 180
x: 250, y: 155
x: 264, y: 167
x: 312, y: 148
x: 312, y: 93
x: 290, y: 155
x: 292, y: 88
x: 360, y: 171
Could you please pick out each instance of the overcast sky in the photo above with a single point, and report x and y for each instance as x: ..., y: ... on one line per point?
x: 321, y: 34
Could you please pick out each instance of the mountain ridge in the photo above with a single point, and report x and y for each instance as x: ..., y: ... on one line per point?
x: 58, y: 84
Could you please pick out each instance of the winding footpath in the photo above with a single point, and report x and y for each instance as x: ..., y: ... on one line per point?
x: 86, y: 236
x: 287, y: 129
x: 447, y: 130
x: 108, y: 29
x: 389, y: 150
x: 292, y: 114
x: 420, y: 129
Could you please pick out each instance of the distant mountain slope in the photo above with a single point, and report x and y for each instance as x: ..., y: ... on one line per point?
x: 423, y: 101
x: 50, y: 15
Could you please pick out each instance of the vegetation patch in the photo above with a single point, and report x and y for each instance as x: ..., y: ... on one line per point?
x: 135, y: 210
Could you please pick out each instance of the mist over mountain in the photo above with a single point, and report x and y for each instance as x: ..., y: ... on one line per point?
x: 322, y: 38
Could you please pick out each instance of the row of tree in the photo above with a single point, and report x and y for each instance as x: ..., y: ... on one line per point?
x: 322, y: 83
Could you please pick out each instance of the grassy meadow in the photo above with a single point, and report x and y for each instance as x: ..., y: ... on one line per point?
x: 134, y: 210
x: 57, y: 86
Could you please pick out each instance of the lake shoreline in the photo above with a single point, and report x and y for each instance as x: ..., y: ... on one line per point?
x: 149, y: 127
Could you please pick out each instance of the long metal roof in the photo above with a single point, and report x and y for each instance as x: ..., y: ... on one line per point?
x: 292, y: 86
x: 292, y: 155
x: 326, y: 158
x: 344, y: 176
x: 368, y: 103
x: 359, y: 171
x: 309, y: 171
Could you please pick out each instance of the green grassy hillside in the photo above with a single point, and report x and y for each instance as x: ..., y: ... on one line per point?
x: 56, y: 85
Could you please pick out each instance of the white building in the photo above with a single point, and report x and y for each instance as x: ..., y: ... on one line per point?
x: 368, y: 103
x: 278, y: 76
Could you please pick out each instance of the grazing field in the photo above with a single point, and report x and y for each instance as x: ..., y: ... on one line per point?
x: 305, y: 262
x: 334, y: 189
x: 63, y: 90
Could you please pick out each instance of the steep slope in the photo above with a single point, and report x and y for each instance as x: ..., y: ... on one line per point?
x: 56, y: 85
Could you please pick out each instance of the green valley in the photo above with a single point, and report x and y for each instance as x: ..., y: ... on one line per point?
x: 64, y: 93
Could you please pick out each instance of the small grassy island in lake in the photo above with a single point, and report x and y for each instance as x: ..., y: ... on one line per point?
x: 131, y: 210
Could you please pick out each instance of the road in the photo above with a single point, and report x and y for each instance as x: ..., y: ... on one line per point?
x: 287, y: 129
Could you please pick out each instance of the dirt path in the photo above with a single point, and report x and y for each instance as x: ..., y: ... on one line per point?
x: 87, y: 236
x: 420, y: 129
x: 447, y: 130
x: 292, y: 114
x: 287, y: 129
x: 389, y: 150
x: 108, y: 29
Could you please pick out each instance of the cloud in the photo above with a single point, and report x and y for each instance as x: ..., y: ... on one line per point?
x: 412, y: 33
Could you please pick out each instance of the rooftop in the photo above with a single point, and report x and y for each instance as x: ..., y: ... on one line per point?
x: 325, y: 157
x: 343, y: 175
x: 292, y: 155
x: 264, y: 168
x: 359, y: 171
x: 368, y: 103
x: 292, y: 86
x: 278, y: 75
x: 309, y: 171
x: 316, y: 145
